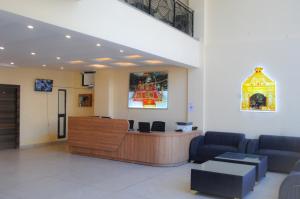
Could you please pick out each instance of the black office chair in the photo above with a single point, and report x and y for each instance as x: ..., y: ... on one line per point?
x: 131, y: 125
x: 158, y: 126
x: 144, y: 127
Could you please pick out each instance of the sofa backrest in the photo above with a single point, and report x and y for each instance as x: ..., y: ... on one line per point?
x: 284, y: 143
x: 223, y: 138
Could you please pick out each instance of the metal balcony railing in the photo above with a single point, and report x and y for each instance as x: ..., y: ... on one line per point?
x: 172, y: 12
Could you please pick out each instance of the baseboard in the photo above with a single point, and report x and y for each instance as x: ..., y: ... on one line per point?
x: 30, y: 146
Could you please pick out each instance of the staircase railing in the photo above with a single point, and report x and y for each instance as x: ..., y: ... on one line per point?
x: 172, y: 12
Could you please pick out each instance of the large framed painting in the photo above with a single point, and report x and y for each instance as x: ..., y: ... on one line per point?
x: 259, y: 93
x: 148, y: 90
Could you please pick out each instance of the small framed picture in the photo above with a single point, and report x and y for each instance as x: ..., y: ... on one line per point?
x: 85, y: 100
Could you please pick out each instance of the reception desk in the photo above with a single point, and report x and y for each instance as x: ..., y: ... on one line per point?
x: 110, y: 139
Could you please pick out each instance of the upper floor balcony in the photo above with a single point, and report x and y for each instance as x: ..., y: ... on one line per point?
x: 172, y: 12
x: 117, y: 22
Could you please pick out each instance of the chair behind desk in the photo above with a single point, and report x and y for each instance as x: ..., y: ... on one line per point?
x: 144, y: 127
x: 158, y: 126
x: 131, y: 125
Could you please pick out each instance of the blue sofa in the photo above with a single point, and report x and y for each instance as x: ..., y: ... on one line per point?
x: 204, y: 148
x: 290, y: 187
x: 282, y: 151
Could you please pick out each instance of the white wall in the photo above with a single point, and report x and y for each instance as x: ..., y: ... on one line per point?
x: 239, y: 36
x: 114, y: 21
x: 111, y: 96
x: 38, y: 110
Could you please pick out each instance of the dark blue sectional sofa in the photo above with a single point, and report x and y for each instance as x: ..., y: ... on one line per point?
x: 282, y: 151
x: 204, y: 148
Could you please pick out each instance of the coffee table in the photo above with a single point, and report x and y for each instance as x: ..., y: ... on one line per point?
x: 261, y: 162
x: 223, y: 179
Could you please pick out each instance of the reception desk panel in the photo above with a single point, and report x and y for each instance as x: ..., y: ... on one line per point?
x: 110, y: 139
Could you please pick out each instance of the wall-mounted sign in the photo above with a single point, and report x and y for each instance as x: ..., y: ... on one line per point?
x: 148, y: 90
x: 259, y: 92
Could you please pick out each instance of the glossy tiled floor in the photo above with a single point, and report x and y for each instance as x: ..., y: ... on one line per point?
x: 52, y: 173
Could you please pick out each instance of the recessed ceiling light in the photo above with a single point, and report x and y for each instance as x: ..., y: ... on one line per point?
x: 98, y: 65
x: 30, y: 27
x: 103, y: 59
x: 62, y: 68
x: 76, y: 62
x: 2, y: 48
x: 33, y: 53
x: 121, y: 51
x: 133, y: 56
x: 98, y: 44
x: 44, y: 65
x: 58, y: 58
x: 12, y: 63
x: 153, y: 62
x: 68, y: 36
x: 125, y: 64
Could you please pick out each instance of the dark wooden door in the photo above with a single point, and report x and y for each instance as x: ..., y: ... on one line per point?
x: 9, y: 116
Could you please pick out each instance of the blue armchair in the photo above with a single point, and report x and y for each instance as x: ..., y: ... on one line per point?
x: 282, y: 151
x: 204, y: 148
x: 290, y: 187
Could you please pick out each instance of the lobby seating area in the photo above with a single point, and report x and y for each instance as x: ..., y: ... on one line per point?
x: 269, y: 152
x: 212, y: 144
x: 282, y: 151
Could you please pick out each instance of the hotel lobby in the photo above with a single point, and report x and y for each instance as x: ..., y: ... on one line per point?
x: 149, y: 99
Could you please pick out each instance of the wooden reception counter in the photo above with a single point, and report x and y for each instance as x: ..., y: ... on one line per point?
x: 109, y: 138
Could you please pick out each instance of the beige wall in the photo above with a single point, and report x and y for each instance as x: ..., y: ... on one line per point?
x: 38, y: 110
x: 111, y: 96
x: 240, y: 36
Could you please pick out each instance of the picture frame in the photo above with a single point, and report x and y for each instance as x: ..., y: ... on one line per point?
x: 85, y: 100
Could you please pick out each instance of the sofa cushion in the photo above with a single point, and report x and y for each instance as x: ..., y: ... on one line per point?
x: 284, y: 143
x: 212, y: 150
x: 280, y: 161
x: 223, y: 138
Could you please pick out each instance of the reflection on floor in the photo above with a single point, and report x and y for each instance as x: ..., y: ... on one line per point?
x: 52, y: 173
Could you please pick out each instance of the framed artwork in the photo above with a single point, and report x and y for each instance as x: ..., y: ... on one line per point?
x: 148, y: 90
x: 259, y: 93
x: 85, y: 100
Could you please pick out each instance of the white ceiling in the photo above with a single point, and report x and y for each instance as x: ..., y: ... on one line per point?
x: 49, y: 42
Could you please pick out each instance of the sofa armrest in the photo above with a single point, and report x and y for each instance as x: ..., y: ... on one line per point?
x: 297, y: 166
x: 252, y: 146
x: 242, y: 146
x: 290, y: 187
x: 194, y: 146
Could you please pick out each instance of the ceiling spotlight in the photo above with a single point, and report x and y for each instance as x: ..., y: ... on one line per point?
x: 62, y: 68
x: 125, y: 64
x: 98, y: 45
x: 76, y: 62
x: 30, y: 27
x: 44, y: 65
x: 68, y: 36
x: 121, y: 51
x: 2, y: 48
x: 33, y: 53
x: 133, y: 57
x: 12, y: 63
x: 102, y: 59
x: 98, y: 65
x: 153, y: 62
x: 58, y: 58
